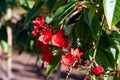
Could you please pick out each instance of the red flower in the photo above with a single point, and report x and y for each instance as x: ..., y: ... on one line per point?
x: 39, y: 22
x: 46, y: 36
x: 98, y: 70
x: 67, y: 59
x: 58, y: 40
x: 118, y: 70
x: 61, y: 31
x: 47, y: 56
x: 66, y: 44
x: 34, y: 32
x: 38, y: 44
x: 44, y: 47
x: 76, y: 53
x: 79, y: 4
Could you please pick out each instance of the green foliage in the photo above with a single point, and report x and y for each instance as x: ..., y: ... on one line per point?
x: 104, y: 58
x: 3, y: 46
x: 89, y: 27
x: 52, y: 65
x: 50, y: 4
x: 2, y: 7
x: 34, y: 11
x: 112, y: 9
x: 80, y: 30
x: 27, y: 3
x: 104, y: 42
x: 92, y: 21
x: 62, y: 10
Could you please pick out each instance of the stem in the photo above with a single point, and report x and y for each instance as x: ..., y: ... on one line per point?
x: 9, y: 33
x: 61, y: 22
x: 94, y: 54
x: 96, y: 46
x: 9, y: 37
x: 92, y: 1
x: 95, y: 51
x: 68, y: 75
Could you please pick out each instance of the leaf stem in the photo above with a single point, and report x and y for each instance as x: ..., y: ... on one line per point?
x: 68, y: 75
x: 96, y: 46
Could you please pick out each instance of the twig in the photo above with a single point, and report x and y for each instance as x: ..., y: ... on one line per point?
x: 9, y: 37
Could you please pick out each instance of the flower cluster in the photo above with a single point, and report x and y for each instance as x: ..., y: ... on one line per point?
x: 47, y: 39
x: 46, y: 36
x: 69, y: 58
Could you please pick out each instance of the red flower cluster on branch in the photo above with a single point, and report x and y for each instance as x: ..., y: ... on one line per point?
x: 46, y: 36
x: 48, y: 39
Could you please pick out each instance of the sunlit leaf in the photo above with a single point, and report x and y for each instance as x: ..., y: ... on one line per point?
x: 112, y: 11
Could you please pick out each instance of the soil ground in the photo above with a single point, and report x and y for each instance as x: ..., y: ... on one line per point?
x: 24, y: 68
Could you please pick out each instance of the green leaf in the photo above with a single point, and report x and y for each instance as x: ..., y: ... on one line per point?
x: 3, y: 46
x: 104, y: 58
x: 50, y: 4
x: 112, y: 78
x: 118, y: 25
x: 68, y: 30
x: 72, y: 0
x: 34, y: 11
x: 112, y: 11
x: 48, y: 20
x: 23, y: 38
x: 27, y: 3
x: 116, y: 36
x: 31, y: 44
x: 74, y: 19
x: 91, y: 14
x: 3, y: 7
x: 3, y: 33
x: 104, y: 42
x: 52, y: 65
x: 116, y: 78
x: 108, y: 78
x: 92, y: 21
x: 82, y: 30
x: 62, y: 10
x: 110, y: 57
